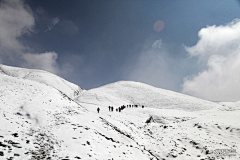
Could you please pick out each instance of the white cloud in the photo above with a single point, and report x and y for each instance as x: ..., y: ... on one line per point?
x: 45, y: 61
x: 157, y: 44
x: 219, y: 48
x: 53, y: 23
x: 153, y: 66
x: 16, y: 19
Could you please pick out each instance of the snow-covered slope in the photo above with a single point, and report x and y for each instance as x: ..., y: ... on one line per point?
x: 29, y: 109
x: 70, y: 89
x: 37, y: 121
x: 128, y: 92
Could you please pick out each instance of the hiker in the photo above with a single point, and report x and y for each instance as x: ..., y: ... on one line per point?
x: 143, y: 106
x: 119, y: 109
x: 109, y: 107
x: 98, y: 109
x: 116, y: 109
x: 112, y: 108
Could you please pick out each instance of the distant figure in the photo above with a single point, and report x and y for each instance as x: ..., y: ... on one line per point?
x: 112, y: 109
x: 98, y: 109
x: 109, y: 107
x: 143, y: 106
x: 116, y: 109
x: 119, y: 109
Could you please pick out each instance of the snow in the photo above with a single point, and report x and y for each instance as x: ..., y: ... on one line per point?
x: 125, y: 92
x: 44, y: 77
x: 42, y: 115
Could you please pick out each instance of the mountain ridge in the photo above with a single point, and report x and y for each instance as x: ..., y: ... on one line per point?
x: 39, y: 121
x: 130, y: 92
x: 44, y: 77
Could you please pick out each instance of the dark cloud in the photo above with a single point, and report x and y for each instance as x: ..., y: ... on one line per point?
x: 92, y: 43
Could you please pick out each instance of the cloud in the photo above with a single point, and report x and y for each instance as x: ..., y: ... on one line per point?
x: 68, y: 27
x: 157, y: 44
x: 40, y: 10
x: 16, y: 20
x: 53, y: 23
x: 45, y: 61
x: 219, y: 48
x: 154, y: 66
x: 220, y: 40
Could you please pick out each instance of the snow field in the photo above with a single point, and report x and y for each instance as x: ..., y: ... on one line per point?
x: 43, y: 116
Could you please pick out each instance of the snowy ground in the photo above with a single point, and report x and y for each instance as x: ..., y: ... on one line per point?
x: 179, y: 134
x: 41, y: 119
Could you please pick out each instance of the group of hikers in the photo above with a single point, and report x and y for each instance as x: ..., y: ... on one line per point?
x: 119, y: 109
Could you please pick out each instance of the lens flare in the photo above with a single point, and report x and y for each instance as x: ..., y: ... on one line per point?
x: 158, y: 26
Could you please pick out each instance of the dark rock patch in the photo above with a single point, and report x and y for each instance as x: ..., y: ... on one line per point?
x: 15, y: 134
x: 2, y: 145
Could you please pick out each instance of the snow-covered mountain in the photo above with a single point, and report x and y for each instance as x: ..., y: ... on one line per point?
x: 44, y: 77
x: 128, y: 92
x: 43, y: 116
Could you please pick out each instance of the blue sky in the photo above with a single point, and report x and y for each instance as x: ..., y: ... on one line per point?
x: 96, y: 42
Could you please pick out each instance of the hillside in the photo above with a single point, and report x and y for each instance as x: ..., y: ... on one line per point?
x: 39, y: 121
x: 44, y: 77
x: 128, y: 92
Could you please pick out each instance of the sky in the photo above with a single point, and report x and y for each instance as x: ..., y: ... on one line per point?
x: 191, y: 47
